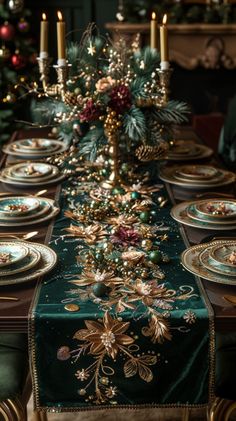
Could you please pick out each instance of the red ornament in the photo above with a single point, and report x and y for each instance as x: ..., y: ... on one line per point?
x: 18, y: 61
x: 7, y: 31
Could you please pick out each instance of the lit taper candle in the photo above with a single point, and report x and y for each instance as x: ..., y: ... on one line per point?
x: 164, y: 50
x: 44, y: 37
x: 153, y: 31
x: 61, y: 40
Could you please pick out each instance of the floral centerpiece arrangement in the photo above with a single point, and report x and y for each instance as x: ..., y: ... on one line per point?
x: 115, y: 90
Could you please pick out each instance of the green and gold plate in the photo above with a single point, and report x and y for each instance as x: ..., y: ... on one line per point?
x: 11, y: 253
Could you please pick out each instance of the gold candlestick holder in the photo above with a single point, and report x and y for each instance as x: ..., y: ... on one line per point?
x: 44, y: 69
x: 164, y: 77
x: 114, y: 179
x: 58, y: 89
x: 62, y: 77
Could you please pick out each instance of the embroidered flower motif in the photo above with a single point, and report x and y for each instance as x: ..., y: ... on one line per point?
x: 158, y: 329
x: 149, y: 291
x: 125, y: 237
x: 89, y: 278
x: 190, y: 317
x: 111, y: 392
x: 63, y: 353
x: 107, y: 336
x: 91, y: 234
x: 122, y: 220
x: 82, y: 375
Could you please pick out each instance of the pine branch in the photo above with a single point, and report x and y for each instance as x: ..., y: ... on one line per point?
x: 91, y: 142
x: 146, y: 61
x: 137, y: 87
x: 134, y: 124
x: 174, y: 112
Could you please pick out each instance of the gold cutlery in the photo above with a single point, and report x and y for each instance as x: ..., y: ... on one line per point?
x: 39, y: 193
x: 218, y: 194
x: 18, y: 236
x: 9, y: 298
x: 230, y: 298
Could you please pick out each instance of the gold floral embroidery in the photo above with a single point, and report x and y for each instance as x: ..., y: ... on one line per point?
x: 89, y: 278
x: 101, y: 340
x: 91, y: 233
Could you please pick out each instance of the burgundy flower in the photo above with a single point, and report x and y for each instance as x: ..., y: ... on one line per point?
x: 125, y: 237
x: 91, y: 112
x: 120, y: 99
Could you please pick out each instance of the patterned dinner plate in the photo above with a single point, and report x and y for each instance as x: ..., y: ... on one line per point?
x: 13, y: 149
x: 25, y: 264
x: 216, y: 209
x: 26, y: 184
x: 45, y: 206
x: 18, y: 205
x: 180, y: 213
x: 192, y: 214
x: 43, y: 218
x: 11, y: 253
x: 190, y: 260
x: 214, y: 266
x: 167, y: 174
x: 47, y: 262
x: 189, y: 152
x: 225, y: 255
x: 36, y: 146
x: 29, y: 170
x: 197, y: 172
x: 52, y: 175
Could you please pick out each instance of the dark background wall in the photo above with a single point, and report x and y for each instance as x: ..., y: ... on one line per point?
x: 77, y: 14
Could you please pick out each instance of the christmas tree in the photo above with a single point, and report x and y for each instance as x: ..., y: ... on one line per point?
x: 17, y: 58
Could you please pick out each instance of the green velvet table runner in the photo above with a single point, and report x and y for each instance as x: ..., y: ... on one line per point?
x: 153, y: 349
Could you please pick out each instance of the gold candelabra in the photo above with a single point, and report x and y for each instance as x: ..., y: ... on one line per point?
x: 62, y: 70
x: 114, y: 179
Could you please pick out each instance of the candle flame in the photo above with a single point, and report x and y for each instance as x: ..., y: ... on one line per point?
x: 59, y: 15
x: 44, y: 16
x: 164, y: 20
x: 154, y: 16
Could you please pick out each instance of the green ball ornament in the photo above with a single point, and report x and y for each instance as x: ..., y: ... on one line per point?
x: 118, y: 190
x: 154, y: 215
x: 105, y: 172
x: 99, y: 256
x: 144, y: 216
x: 125, y: 168
x: 155, y: 256
x: 99, y: 289
x: 135, y: 195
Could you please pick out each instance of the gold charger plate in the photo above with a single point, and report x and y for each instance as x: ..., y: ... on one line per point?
x: 179, y: 213
x: 8, y: 173
x: 21, y: 184
x: 47, y: 263
x: 190, y: 261
x: 11, y: 149
x: 167, y: 174
x: 202, y: 152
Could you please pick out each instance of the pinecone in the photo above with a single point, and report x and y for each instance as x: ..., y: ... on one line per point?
x: 70, y: 98
x: 147, y: 153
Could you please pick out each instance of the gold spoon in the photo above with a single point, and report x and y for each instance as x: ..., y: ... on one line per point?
x: 39, y: 193
x: 230, y: 298
x: 9, y: 298
x: 23, y: 237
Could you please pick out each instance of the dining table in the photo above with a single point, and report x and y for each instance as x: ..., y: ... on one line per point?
x: 16, y: 314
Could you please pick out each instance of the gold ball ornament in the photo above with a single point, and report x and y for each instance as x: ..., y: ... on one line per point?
x: 10, y: 98
x: 4, y: 53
